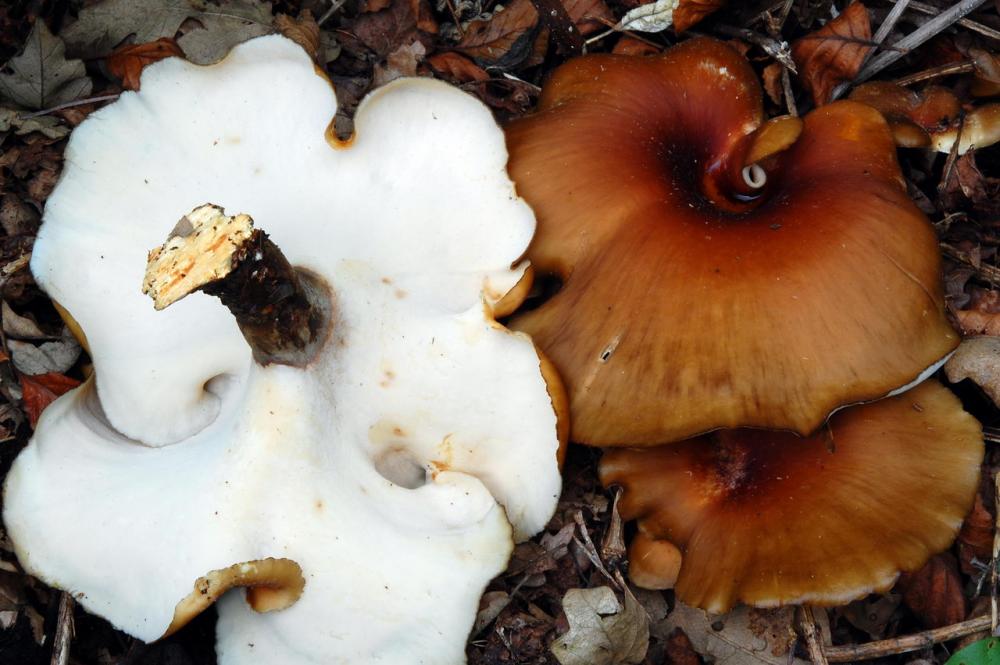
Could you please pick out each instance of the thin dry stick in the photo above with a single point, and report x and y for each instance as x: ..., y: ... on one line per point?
x: 897, y: 645
x: 810, y: 631
x: 935, y: 72
x: 984, y: 30
x: 985, y: 272
x: 64, y: 631
x: 996, y: 552
x: 588, y: 546
x: 786, y: 85
x: 69, y: 105
x: 934, y: 26
x: 880, y: 35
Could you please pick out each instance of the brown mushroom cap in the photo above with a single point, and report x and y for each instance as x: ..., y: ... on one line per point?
x: 767, y: 518
x: 692, y: 302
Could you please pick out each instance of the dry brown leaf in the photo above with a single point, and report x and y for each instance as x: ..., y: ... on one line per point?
x: 973, y: 322
x: 689, y: 12
x: 510, y: 36
x: 872, y: 614
x: 772, y: 81
x: 41, y: 390
x: 747, y: 636
x: 934, y: 592
x: 631, y: 46
x: 456, y: 67
x: 679, y: 650
x: 507, y: 37
x: 303, y: 30
x: 967, y: 183
x: 383, y: 31
x: 978, y: 358
x: 588, y: 15
x: 834, y: 53
x: 401, y: 62
x: 975, y: 540
x: 127, y: 62
x: 601, y: 630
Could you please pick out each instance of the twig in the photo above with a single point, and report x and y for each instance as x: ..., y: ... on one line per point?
x: 996, y: 553
x: 69, y: 105
x: 64, y: 631
x: 935, y: 72
x: 934, y: 26
x: 984, y: 30
x: 588, y: 547
x: 457, y: 18
x: 897, y: 645
x: 890, y: 21
x: 334, y: 6
x: 613, y: 543
x: 776, y: 49
x: 992, y: 434
x: 809, y: 630
x: 786, y: 85
x: 985, y: 272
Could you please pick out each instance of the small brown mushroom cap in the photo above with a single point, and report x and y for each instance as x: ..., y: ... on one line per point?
x: 691, y: 301
x: 931, y: 118
x: 767, y: 518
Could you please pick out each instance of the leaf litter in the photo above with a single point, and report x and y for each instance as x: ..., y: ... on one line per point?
x: 559, y: 599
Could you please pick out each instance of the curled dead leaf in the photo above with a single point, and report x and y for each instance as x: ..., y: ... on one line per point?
x: 975, y: 540
x: 745, y: 636
x: 127, y: 62
x: 41, y: 390
x: 689, y: 12
x: 602, y: 631
x: 628, y: 45
x: 934, y: 592
x: 834, y: 53
x: 978, y: 358
x: 303, y: 30
x: 456, y: 67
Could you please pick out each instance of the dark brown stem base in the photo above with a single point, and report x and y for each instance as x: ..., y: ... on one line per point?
x: 282, y: 312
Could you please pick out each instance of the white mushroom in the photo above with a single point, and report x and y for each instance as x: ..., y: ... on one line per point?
x: 392, y: 470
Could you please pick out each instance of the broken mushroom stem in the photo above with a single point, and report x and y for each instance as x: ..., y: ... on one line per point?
x: 283, y: 312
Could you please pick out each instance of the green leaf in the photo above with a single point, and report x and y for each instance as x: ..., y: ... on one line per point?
x: 983, y: 652
x: 41, y: 76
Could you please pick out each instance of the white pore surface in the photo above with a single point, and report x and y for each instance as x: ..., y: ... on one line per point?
x: 415, y: 227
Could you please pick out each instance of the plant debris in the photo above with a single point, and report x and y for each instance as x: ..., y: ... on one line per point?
x: 560, y: 601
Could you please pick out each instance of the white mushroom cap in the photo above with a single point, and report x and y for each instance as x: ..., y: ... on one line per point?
x: 186, y: 457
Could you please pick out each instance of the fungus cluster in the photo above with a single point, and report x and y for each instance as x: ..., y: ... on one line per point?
x: 721, y: 273
x: 933, y: 118
x: 356, y: 440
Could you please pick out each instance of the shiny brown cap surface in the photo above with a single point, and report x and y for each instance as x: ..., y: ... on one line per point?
x: 767, y: 518
x: 692, y: 301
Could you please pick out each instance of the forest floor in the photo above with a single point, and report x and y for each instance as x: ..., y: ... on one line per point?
x: 504, y: 58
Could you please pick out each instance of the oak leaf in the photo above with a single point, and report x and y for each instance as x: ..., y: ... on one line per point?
x: 834, y: 53
x: 41, y: 76
x: 219, y: 25
x: 601, y: 630
x: 127, y: 62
